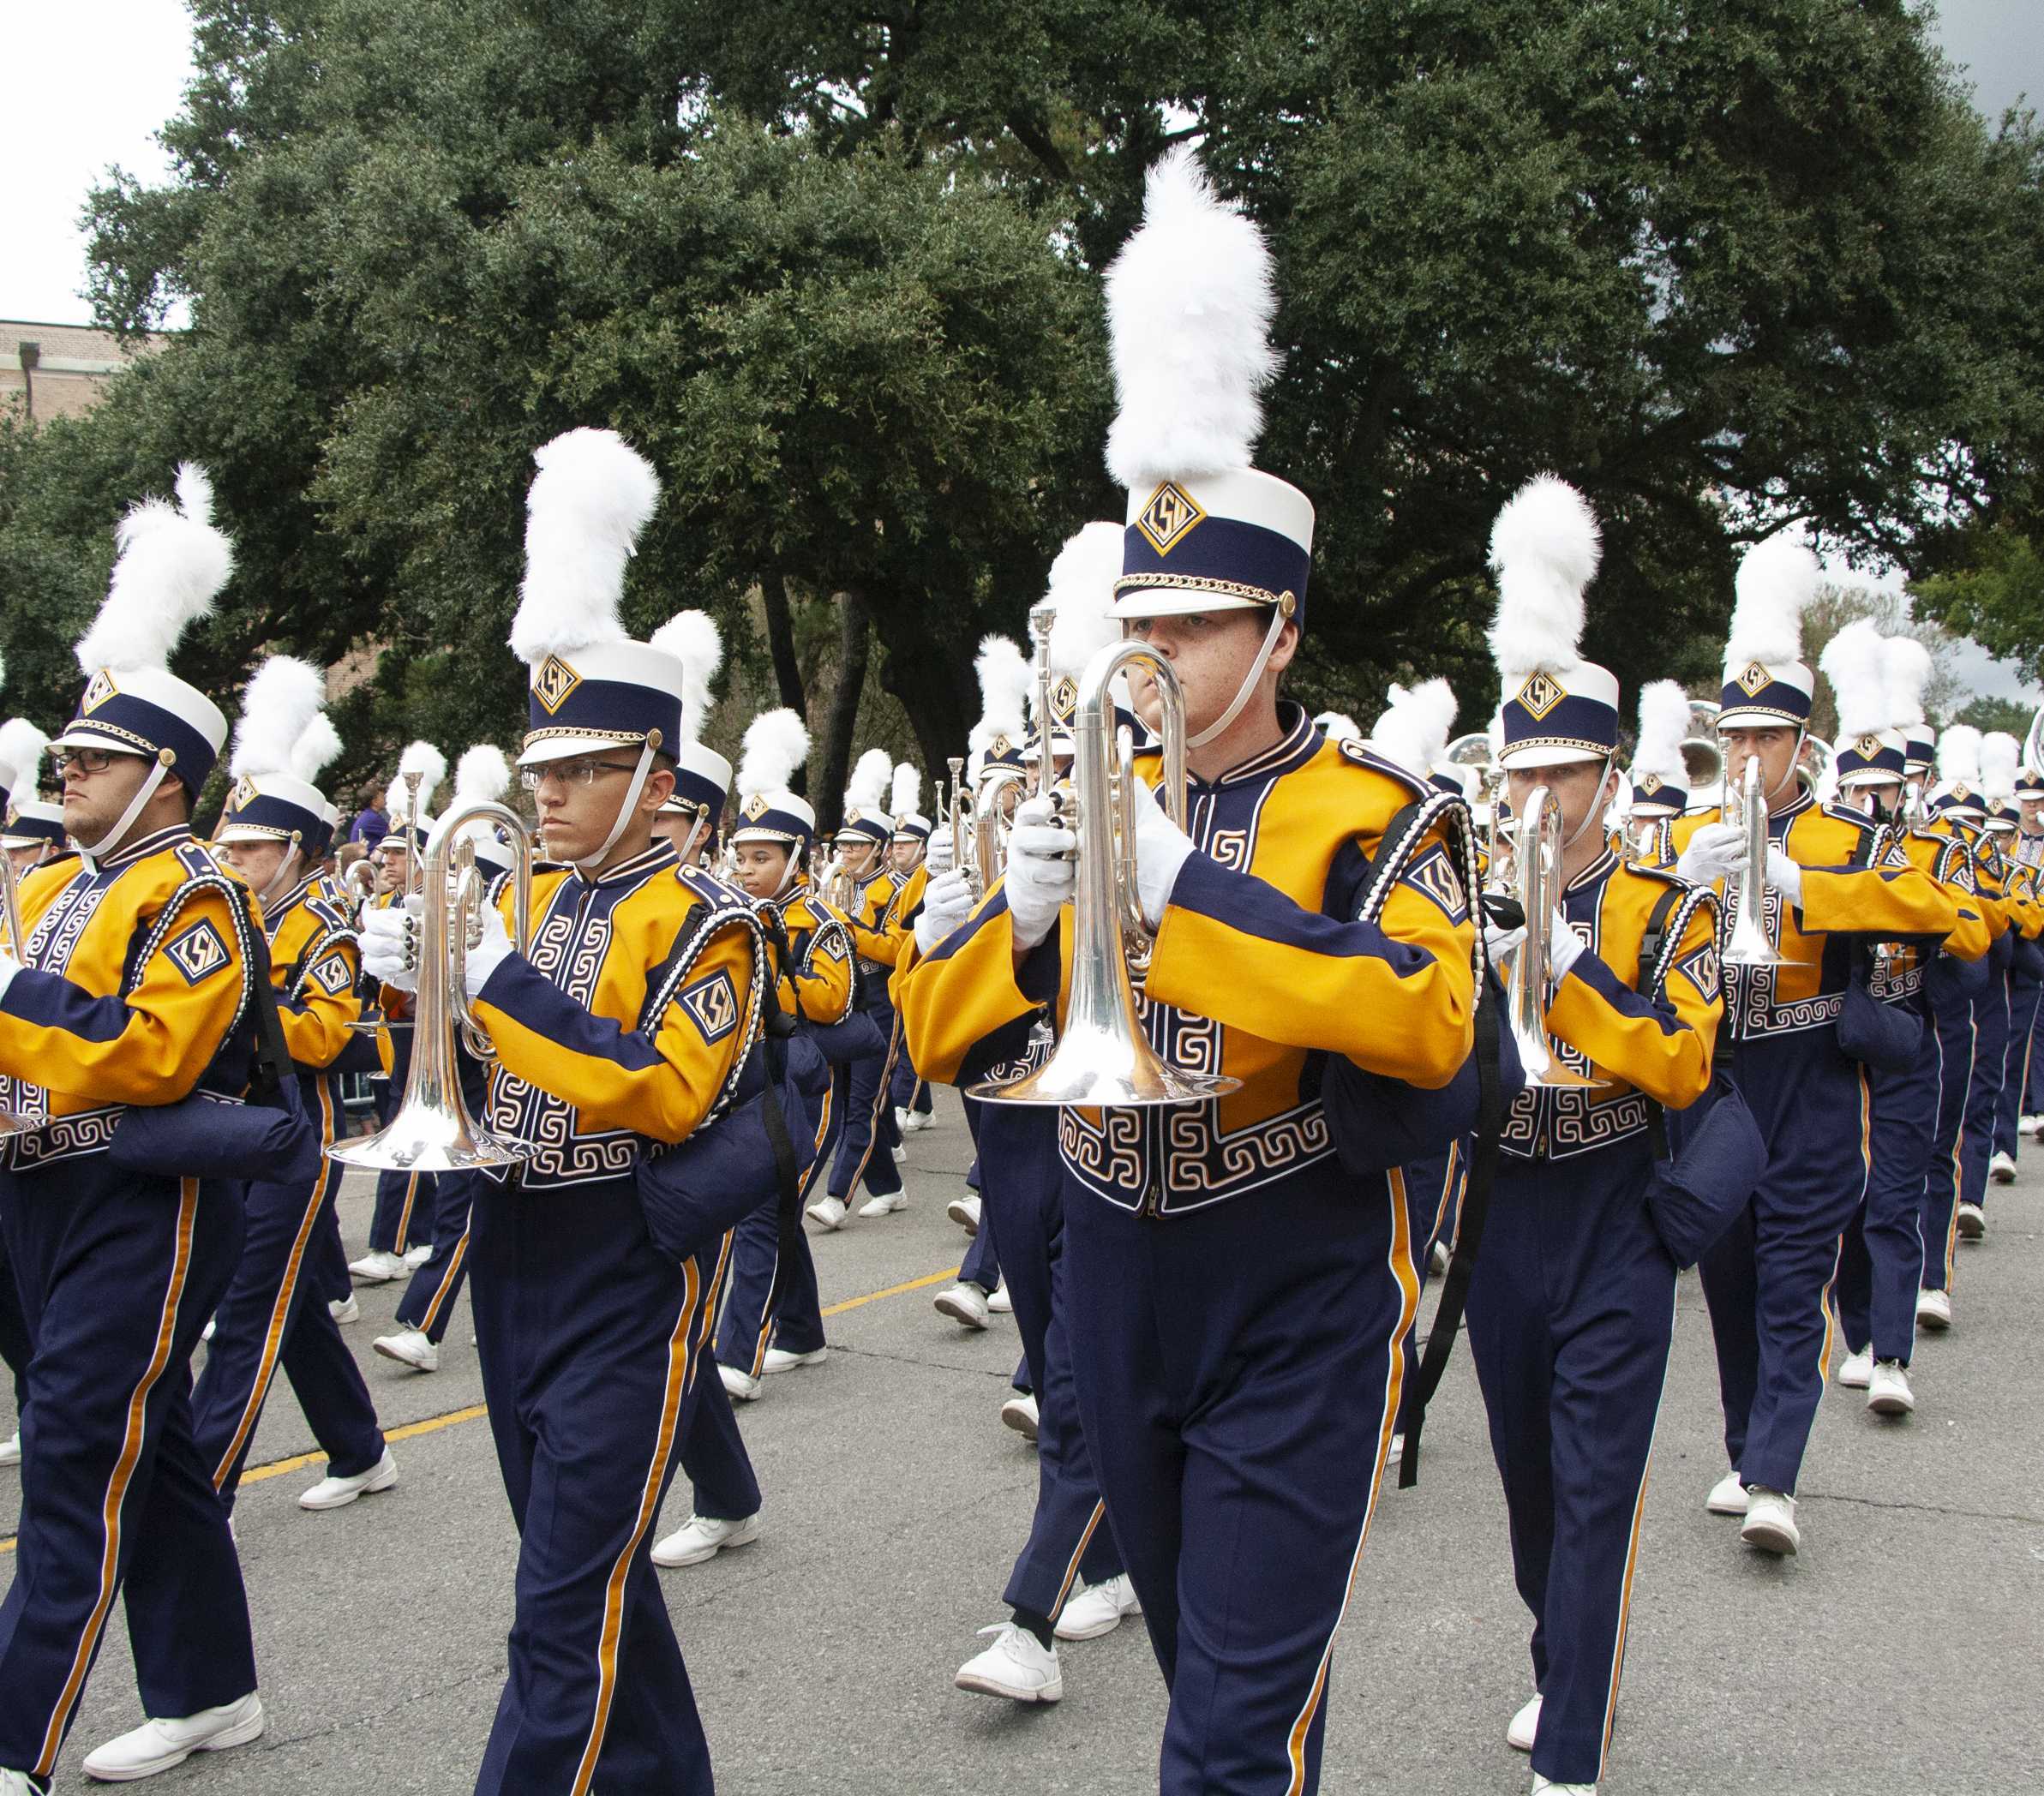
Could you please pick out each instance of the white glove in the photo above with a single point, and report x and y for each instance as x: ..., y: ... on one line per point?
x: 390, y: 944
x: 1783, y: 875
x: 1498, y: 941
x: 1564, y: 946
x: 488, y: 952
x: 1161, y: 848
x: 1041, y: 875
x: 947, y: 902
x: 937, y: 856
x: 1718, y: 850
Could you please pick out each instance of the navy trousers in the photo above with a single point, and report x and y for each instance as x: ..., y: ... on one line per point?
x: 593, y: 1348
x: 866, y: 1144
x: 982, y: 1263
x: 273, y: 1315
x: 13, y: 1332
x: 713, y: 1455
x: 1880, y: 1266
x: 434, y: 1291
x: 1238, y: 1371
x: 2025, y: 992
x: 1433, y: 1189
x: 1571, y: 1314
x: 1024, y: 1195
x: 117, y: 1275
x: 773, y: 1300
x: 1950, y: 991
x: 1990, y: 1059
x: 1768, y: 1279
x: 403, y: 1217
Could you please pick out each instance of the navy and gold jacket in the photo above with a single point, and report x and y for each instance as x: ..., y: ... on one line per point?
x: 1849, y: 887
x: 136, y: 974
x: 1899, y: 966
x: 315, y: 964
x: 872, y: 924
x: 628, y: 1021
x: 1260, y: 970
x: 1653, y: 1047
x: 811, y: 957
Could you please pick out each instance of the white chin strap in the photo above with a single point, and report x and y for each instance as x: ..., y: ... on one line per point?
x: 1596, y: 813
x: 1249, y: 683
x: 590, y: 863
x: 287, y: 871
x: 114, y: 836
x: 1794, y: 762
x: 695, y: 836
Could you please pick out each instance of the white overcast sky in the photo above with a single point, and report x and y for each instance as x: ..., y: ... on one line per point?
x: 91, y: 83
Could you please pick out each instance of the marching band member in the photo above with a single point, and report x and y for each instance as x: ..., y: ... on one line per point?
x: 1660, y: 775
x: 693, y: 815
x: 2012, y: 1001
x: 1572, y: 1306
x: 1879, y: 688
x: 1767, y: 1279
x: 481, y: 776
x: 908, y: 860
x: 1239, y: 1301
x: 401, y: 1223
x: 275, y: 836
x: 2030, y: 852
x: 134, y: 990
x: 627, y: 1024
x: 864, y: 1149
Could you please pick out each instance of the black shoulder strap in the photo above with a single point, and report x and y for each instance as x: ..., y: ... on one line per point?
x: 1650, y: 944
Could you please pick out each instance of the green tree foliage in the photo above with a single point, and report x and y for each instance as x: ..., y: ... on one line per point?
x: 1725, y: 263
x: 1995, y: 594
x: 1997, y: 713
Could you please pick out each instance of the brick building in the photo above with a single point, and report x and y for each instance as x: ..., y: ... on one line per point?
x: 60, y: 370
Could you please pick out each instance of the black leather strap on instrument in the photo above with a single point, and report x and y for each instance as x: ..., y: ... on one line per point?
x: 271, y: 1065
x: 1651, y: 945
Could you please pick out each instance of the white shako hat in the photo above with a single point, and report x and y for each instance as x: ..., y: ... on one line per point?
x: 1766, y: 684
x: 2000, y: 756
x: 412, y: 823
x: 1190, y: 304
x: 1081, y: 596
x: 864, y: 797
x: 483, y: 776
x: 31, y: 824
x: 702, y: 776
x: 282, y: 743
x: 170, y: 565
x: 1869, y: 749
x: 776, y: 742
x: 999, y: 739
x: 592, y: 687
x: 1558, y: 709
x: 1906, y: 665
x: 1660, y: 775
x: 1413, y: 729
x: 1958, y: 788
x: 22, y: 746
x: 909, y: 823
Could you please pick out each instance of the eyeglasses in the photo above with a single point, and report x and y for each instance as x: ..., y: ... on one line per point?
x: 581, y: 772
x: 87, y: 760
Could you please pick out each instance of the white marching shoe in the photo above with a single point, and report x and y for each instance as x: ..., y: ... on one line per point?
x: 411, y: 1346
x: 1015, y: 1667
x: 1855, y: 1369
x: 901, y: 1119
x: 1728, y: 1496
x: 207, y: 1333
x: 2030, y: 1125
x: 1523, y: 1729
x: 345, y: 1310
x: 376, y: 1268
x: 965, y: 1212
x: 828, y: 1212
x: 1888, y: 1392
x: 2002, y: 1169
x: 1933, y: 1310
x: 157, y: 1745
x: 739, y: 1386
x: 1438, y: 1259
x: 1019, y: 1413
x: 964, y: 1302
x: 782, y: 1359
x: 916, y: 1121
x: 1770, y: 1521
x: 1545, y: 1786
x: 1000, y: 1302
x: 701, y: 1538
x: 900, y: 1153
x: 1099, y: 1609
x: 11, y: 1449
x: 1973, y: 1222
x: 332, y: 1493
x: 16, y: 1783
x: 884, y: 1205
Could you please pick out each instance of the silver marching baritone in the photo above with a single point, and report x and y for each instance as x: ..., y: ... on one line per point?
x: 957, y: 808
x: 433, y: 1131
x: 1749, y: 946
x: 1536, y: 860
x: 990, y: 828
x: 1102, y: 1056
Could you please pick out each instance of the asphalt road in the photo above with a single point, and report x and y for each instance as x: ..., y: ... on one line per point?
x: 1902, y: 1651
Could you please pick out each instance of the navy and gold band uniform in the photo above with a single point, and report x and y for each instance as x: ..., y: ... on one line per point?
x: 906, y: 1087
x: 274, y: 1311
x: 1571, y: 1310
x: 773, y: 1299
x: 2026, y: 989
x: 1238, y: 1305
x: 402, y: 1215
x: 591, y: 1341
x: 1768, y: 1279
x: 867, y: 1137
x: 1992, y: 1009
x: 133, y: 989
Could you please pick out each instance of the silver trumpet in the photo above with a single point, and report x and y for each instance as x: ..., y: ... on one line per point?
x: 433, y: 1131
x: 1102, y: 1056
x: 1749, y: 946
x: 990, y: 828
x: 1537, y: 861
x: 957, y: 812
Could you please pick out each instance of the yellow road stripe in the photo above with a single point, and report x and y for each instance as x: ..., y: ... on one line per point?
x: 432, y: 1424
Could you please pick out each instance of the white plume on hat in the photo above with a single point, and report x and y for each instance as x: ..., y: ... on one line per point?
x: 1906, y: 665
x: 1081, y: 594
x: 2000, y: 754
x: 431, y: 766
x: 907, y: 793
x: 1958, y: 756
x: 775, y: 743
x: 1776, y: 582
x: 317, y: 748
x: 1190, y: 304
x: 1004, y: 675
x: 1413, y: 730
x: 586, y: 506
x: 481, y: 776
x: 694, y: 640
x: 1338, y: 726
x: 22, y: 746
x: 283, y: 697
x: 1856, y: 661
x: 868, y: 789
x: 1664, y: 727
x: 170, y: 565
x: 1545, y: 549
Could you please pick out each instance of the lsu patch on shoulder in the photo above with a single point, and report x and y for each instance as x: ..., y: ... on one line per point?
x: 199, y: 952
x: 1432, y: 873
x: 1701, y: 967
x: 711, y: 1004
x: 332, y: 974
